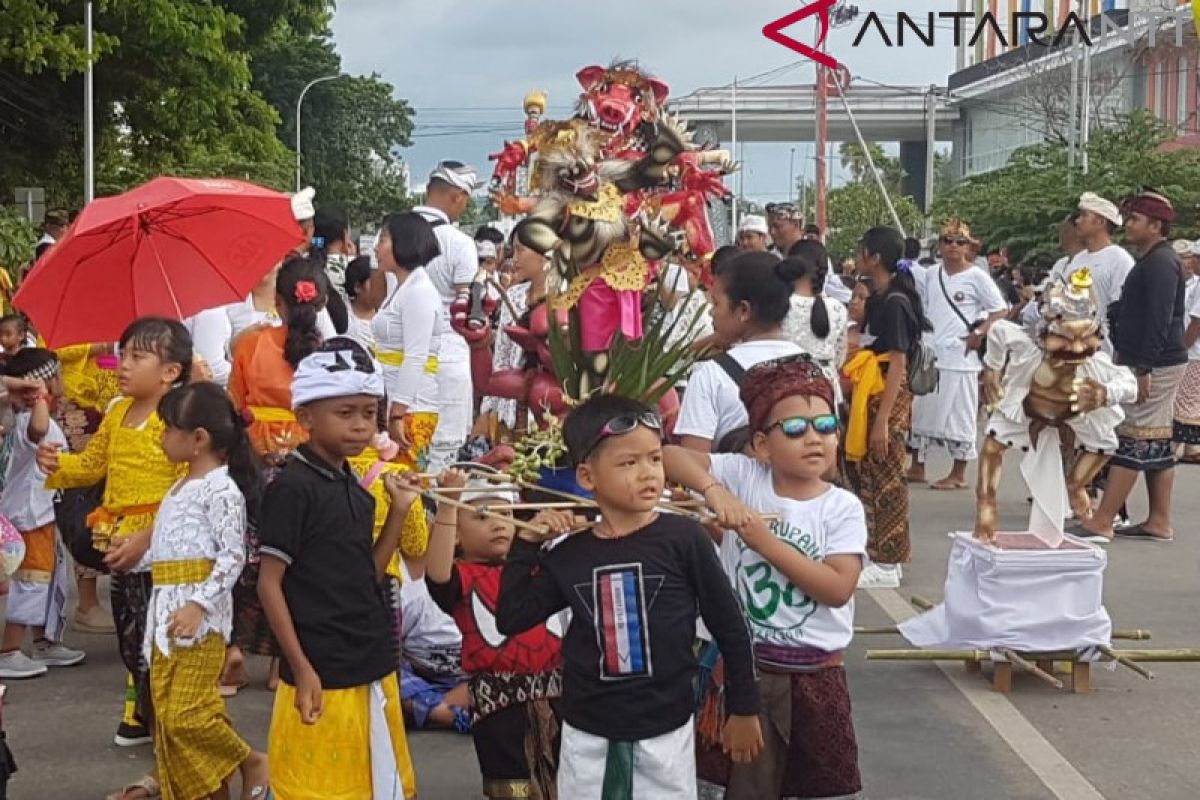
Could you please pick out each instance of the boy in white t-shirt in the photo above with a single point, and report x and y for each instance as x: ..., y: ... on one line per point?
x: 38, y: 589
x: 796, y: 582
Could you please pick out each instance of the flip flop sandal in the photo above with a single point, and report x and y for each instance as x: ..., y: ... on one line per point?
x: 1079, y: 532
x: 947, y: 486
x: 231, y: 689
x: 1141, y: 534
x: 261, y: 793
x: 146, y: 784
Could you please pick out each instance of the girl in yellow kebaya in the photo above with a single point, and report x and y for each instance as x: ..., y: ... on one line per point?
x: 126, y: 452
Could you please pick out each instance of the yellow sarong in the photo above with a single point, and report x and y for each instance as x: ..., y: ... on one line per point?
x: 331, y: 759
x: 395, y: 358
x: 195, y: 744
x: 865, y: 373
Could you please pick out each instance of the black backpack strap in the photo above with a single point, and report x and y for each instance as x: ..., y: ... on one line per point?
x: 437, y: 223
x: 731, y: 366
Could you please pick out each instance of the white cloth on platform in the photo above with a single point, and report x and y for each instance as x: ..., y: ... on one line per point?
x: 664, y: 768
x: 948, y: 417
x: 1027, y: 600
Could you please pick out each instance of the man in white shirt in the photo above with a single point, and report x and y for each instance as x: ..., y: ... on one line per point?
x: 447, y: 195
x: 1109, y: 263
x: 962, y: 301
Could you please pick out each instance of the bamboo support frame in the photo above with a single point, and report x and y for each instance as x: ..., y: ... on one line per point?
x: 1126, y: 662
x: 1031, y: 668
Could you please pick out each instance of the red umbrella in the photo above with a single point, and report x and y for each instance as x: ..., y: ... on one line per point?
x: 171, y: 248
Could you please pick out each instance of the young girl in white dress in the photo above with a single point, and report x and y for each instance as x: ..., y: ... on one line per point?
x: 196, y: 555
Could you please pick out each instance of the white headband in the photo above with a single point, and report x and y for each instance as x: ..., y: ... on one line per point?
x: 327, y: 374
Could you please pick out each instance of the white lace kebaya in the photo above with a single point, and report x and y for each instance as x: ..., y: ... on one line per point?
x: 199, y: 519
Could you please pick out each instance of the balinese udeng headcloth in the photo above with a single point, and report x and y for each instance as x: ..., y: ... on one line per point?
x: 336, y: 372
x: 1151, y: 204
x: 956, y: 227
x: 772, y: 381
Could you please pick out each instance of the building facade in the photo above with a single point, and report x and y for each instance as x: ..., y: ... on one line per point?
x: 1013, y: 91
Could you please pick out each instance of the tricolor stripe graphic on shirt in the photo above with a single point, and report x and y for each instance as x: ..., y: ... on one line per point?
x: 620, y: 617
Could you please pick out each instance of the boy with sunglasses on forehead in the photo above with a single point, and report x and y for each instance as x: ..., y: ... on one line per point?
x: 633, y: 581
x: 796, y: 581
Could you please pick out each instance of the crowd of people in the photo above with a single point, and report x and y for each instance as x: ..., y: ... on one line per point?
x: 254, y: 480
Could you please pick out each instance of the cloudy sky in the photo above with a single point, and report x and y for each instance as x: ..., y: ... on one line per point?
x: 465, y: 65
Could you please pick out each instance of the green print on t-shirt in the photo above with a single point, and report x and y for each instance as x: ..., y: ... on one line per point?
x: 775, y: 607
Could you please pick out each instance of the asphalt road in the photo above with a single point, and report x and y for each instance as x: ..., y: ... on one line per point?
x: 924, y: 731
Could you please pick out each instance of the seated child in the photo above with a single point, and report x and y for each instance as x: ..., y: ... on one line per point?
x: 796, y: 581
x: 433, y: 686
x: 633, y: 581
x: 515, y: 681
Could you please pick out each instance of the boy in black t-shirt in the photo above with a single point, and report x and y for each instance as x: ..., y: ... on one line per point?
x: 634, y: 583
x: 320, y: 588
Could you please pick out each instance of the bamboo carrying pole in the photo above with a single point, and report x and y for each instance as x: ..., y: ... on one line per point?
x: 1126, y: 662
x: 700, y: 514
x: 1178, y: 655
x: 541, y: 530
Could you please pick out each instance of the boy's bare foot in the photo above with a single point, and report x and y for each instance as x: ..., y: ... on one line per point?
x: 233, y: 677
x: 273, y: 677
x: 948, y: 484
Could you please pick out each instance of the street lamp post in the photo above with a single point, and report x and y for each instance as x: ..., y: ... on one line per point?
x: 299, y: 103
x: 89, y: 154
x: 791, y: 174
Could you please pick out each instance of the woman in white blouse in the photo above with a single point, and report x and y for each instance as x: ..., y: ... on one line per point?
x: 364, y: 290
x: 814, y: 322
x: 406, y: 333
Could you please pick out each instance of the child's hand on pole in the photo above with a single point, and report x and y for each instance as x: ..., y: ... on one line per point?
x: 729, y: 510
x: 553, y: 523
x: 403, y: 488
x: 742, y: 738
x: 452, y: 479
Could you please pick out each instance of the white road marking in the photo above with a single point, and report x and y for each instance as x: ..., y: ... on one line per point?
x: 1049, y: 765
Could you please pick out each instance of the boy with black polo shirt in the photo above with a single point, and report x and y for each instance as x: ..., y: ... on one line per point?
x: 633, y: 582
x: 336, y: 729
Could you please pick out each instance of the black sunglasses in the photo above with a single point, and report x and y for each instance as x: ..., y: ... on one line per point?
x: 620, y: 425
x: 957, y: 240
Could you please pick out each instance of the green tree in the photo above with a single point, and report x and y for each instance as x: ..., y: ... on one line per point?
x: 1021, y: 205
x: 349, y: 129
x: 854, y: 159
x: 857, y: 207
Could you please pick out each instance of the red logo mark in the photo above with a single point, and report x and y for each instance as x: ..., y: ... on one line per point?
x: 774, y: 32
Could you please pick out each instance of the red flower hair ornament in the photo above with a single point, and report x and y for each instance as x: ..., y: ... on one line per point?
x: 306, y: 291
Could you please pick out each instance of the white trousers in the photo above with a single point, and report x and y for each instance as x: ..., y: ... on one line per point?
x: 664, y: 768
x: 456, y: 402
